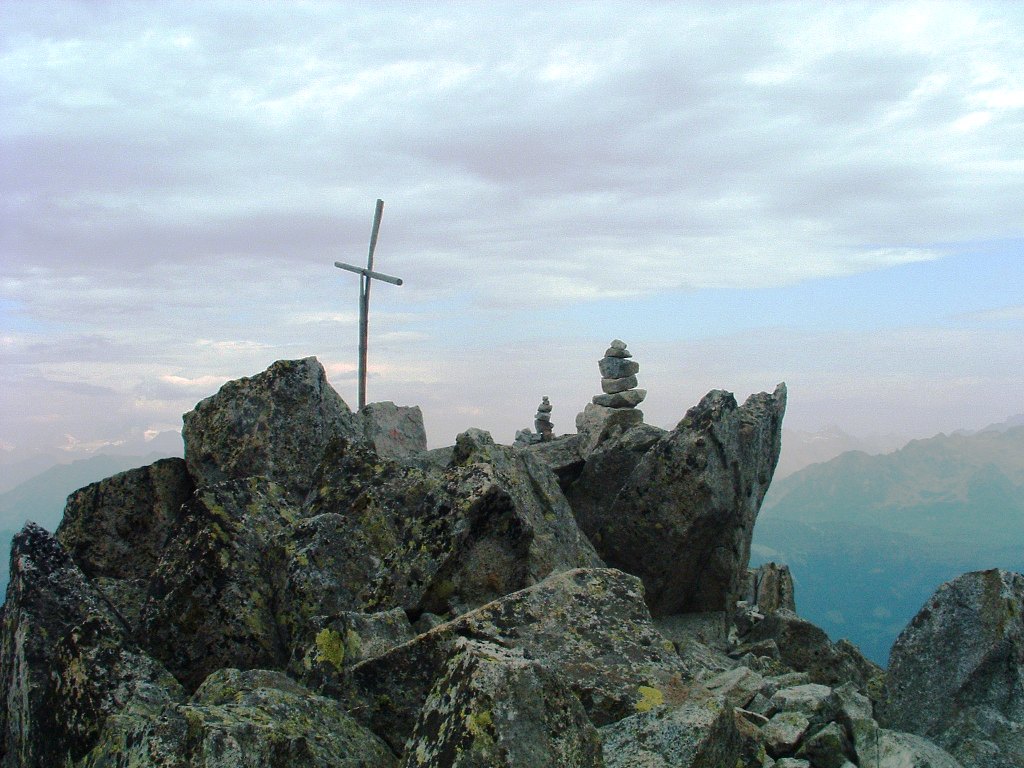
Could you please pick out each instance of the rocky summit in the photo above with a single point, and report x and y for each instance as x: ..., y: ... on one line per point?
x: 313, y: 587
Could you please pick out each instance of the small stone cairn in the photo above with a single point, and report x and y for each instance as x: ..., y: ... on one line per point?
x: 542, y: 423
x: 615, y: 409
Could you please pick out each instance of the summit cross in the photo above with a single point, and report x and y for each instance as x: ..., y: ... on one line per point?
x: 365, y: 275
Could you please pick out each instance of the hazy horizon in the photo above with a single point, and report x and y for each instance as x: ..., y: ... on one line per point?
x: 827, y: 195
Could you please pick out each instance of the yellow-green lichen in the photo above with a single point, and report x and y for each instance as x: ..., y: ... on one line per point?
x: 330, y: 647
x: 649, y: 698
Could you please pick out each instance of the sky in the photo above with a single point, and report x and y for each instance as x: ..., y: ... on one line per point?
x: 826, y: 194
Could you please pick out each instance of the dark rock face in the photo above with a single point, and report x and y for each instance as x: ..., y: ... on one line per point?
x: 690, y: 539
x: 770, y: 588
x: 117, y: 527
x: 275, y: 424
x: 964, y: 652
x: 68, y: 664
x: 380, y: 534
x: 213, y: 598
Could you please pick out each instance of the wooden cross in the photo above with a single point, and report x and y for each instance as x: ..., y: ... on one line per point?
x: 365, y: 275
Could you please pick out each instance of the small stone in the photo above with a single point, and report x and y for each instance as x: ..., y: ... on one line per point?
x: 611, y: 386
x: 616, y: 352
x: 543, y: 416
x: 545, y: 405
x: 617, y: 367
x: 631, y: 398
x: 617, y: 344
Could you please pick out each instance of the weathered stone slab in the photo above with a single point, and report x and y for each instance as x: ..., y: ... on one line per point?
x: 493, y: 707
x: 394, y: 431
x: 589, y: 626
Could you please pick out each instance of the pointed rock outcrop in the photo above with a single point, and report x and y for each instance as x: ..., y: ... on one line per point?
x: 678, y: 509
x: 277, y: 424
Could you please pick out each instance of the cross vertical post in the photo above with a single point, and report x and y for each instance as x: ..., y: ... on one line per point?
x: 365, y: 275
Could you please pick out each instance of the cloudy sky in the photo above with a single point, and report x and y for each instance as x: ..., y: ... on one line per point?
x: 826, y: 194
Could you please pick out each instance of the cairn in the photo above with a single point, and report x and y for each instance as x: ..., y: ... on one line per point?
x: 615, y: 409
x: 542, y: 421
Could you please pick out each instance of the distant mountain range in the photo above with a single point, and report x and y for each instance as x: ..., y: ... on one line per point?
x: 868, y: 538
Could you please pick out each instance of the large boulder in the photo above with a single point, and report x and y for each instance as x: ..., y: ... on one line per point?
x: 492, y: 707
x: 214, y: 597
x: 254, y: 719
x: 117, y: 527
x: 964, y: 650
x: 115, y: 530
x: 276, y: 424
x: 679, y: 512
x: 394, y: 431
x: 67, y: 661
x: 589, y: 626
x: 379, y: 534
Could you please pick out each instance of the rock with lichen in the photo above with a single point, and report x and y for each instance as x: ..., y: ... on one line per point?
x: 697, y: 733
x: 276, y: 424
x: 589, y: 626
x: 378, y: 534
x: 68, y: 664
x: 253, y: 719
x: 491, y: 706
x: 115, y: 530
x: 964, y: 652
x: 214, y: 596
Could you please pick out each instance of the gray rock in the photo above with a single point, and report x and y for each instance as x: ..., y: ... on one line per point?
x: 711, y: 472
x: 827, y: 748
x: 981, y: 736
x: 348, y: 638
x: 736, y: 686
x: 617, y: 349
x: 394, y: 431
x: 617, y: 367
x: 611, y: 386
x: 493, y: 707
x: 253, y: 719
x: 117, y: 527
x: 784, y: 733
x: 963, y: 650
x: 881, y: 748
x: 806, y: 648
x: 67, y: 661
x: 213, y: 598
x: 698, y: 733
x: 631, y: 398
x: 589, y: 626
x: 276, y: 424
x: 770, y: 587
x: 381, y: 534
x: 792, y: 762
x: 597, y: 424
x: 810, y: 699
x: 545, y: 405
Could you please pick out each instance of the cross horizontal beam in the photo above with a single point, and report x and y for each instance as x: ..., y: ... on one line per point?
x: 369, y: 273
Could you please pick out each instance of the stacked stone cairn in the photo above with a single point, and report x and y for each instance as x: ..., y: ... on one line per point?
x: 542, y: 421
x: 615, y: 409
